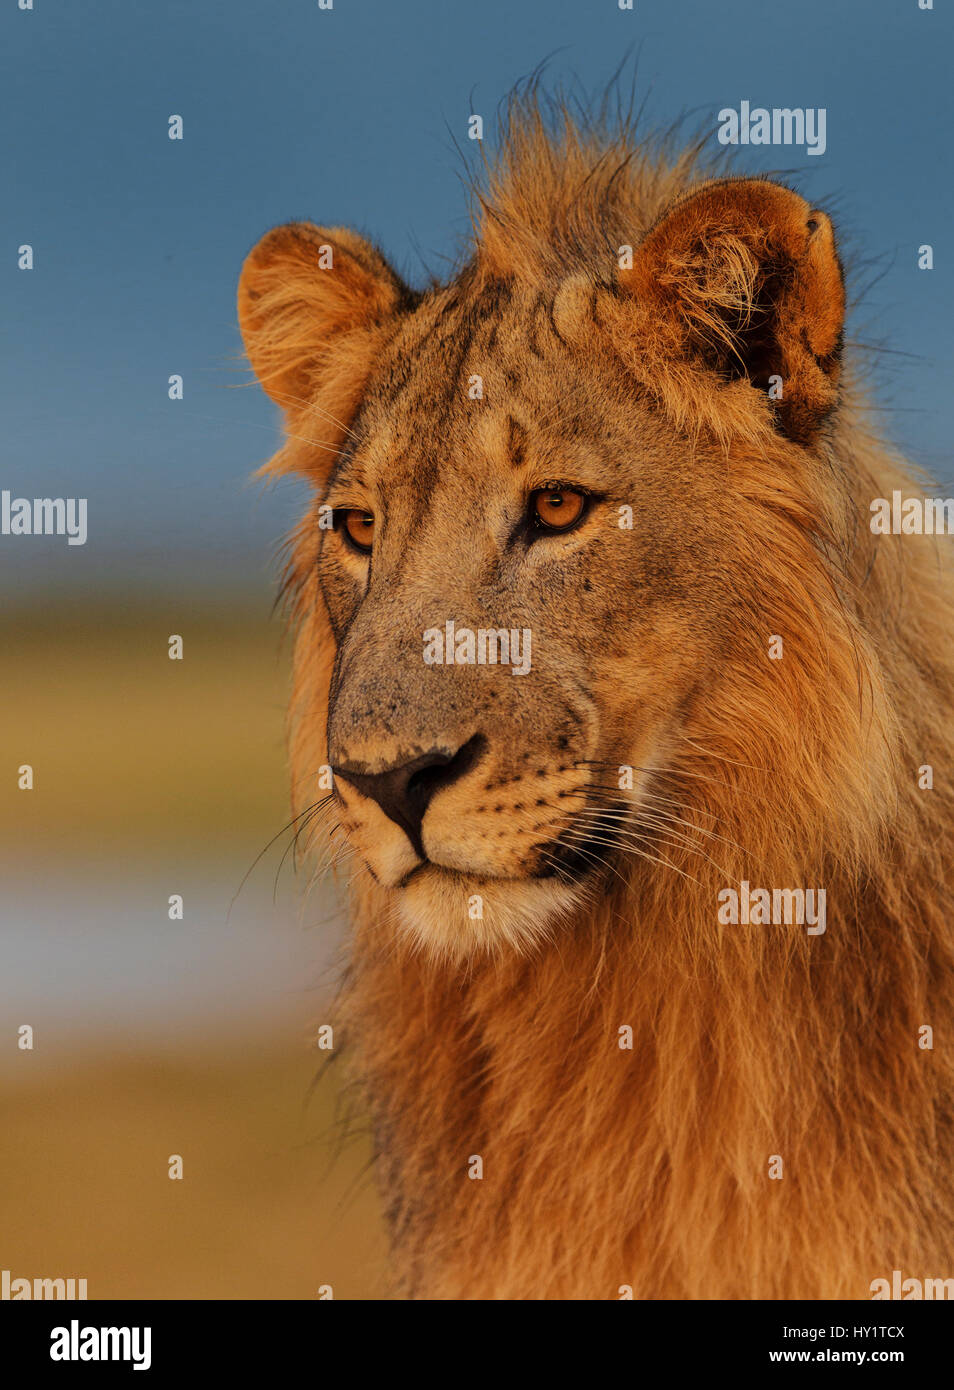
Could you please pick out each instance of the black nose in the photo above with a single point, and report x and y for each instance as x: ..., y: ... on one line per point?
x: 404, y: 792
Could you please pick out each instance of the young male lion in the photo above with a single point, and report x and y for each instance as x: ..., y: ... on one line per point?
x: 651, y: 911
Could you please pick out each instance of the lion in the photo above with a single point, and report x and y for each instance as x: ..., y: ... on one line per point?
x: 626, y: 435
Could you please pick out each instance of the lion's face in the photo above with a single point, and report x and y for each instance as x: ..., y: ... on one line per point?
x: 526, y: 561
x: 494, y: 483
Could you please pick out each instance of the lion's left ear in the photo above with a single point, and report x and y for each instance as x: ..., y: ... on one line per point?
x: 314, y: 305
x: 742, y: 276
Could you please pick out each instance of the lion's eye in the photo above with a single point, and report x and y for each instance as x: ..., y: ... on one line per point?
x: 557, y: 508
x: 358, y: 527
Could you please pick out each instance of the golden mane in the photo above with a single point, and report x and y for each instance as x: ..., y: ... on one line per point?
x: 564, y: 190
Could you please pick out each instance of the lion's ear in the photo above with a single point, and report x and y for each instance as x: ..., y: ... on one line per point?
x: 313, y: 304
x: 743, y: 277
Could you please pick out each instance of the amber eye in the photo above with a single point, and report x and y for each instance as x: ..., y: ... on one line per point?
x: 557, y: 508
x: 359, y: 528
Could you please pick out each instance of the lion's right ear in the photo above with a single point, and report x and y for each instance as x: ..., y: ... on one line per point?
x: 740, y: 277
x: 313, y: 307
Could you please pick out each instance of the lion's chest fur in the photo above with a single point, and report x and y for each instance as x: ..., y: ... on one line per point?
x: 604, y: 1118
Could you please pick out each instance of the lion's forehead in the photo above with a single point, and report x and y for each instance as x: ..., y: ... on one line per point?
x: 460, y: 423
x: 456, y: 356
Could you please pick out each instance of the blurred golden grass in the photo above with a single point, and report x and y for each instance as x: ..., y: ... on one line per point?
x: 126, y: 744
x: 132, y: 753
x: 86, y: 1193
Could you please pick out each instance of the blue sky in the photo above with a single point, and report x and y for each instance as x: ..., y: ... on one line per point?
x: 349, y: 116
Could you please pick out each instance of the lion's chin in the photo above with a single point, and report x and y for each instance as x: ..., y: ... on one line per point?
x: 453, y: 915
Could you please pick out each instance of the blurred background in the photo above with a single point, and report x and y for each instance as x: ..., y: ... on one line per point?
x: 156, y: 1036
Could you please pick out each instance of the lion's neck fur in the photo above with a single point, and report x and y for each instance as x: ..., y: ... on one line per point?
x: 649, y: 1167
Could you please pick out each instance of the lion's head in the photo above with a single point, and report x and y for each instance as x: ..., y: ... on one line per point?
x: 540, y: 496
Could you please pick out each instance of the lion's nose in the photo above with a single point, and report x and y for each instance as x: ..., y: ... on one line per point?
x: 405, y: 790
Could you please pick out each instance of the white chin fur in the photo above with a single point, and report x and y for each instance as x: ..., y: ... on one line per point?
x: 452, y: 915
